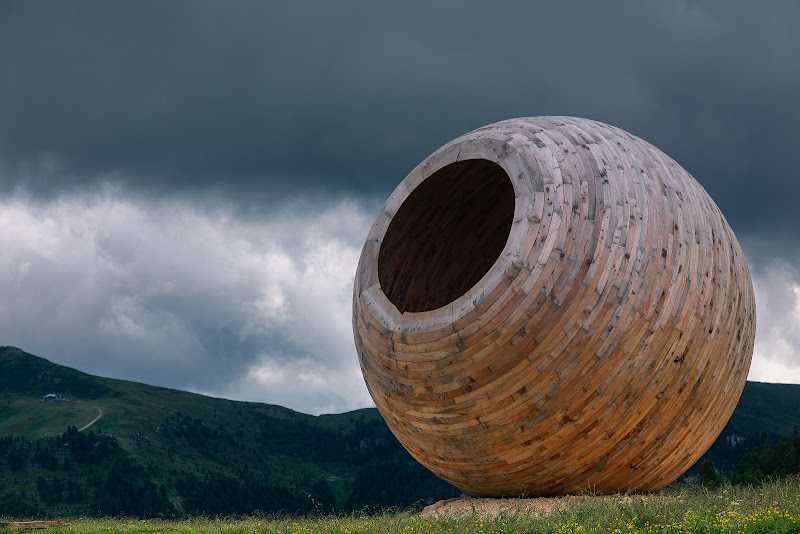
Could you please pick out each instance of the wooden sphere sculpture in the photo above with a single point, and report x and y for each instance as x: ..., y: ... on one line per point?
x: 548, y: 305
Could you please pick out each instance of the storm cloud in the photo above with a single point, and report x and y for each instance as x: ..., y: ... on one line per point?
x: 185, y: 186
x: 168, y: 294
x: 346, y: 97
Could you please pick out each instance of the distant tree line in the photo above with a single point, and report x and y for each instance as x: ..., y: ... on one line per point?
x: 243, y: 493
x: 94, y: 477
x: 88, y: 473
x: 389, y: 475
x: 777, y: 458
x: 128, y: 489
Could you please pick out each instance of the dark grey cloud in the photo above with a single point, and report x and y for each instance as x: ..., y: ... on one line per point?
x: 265, y: 99
x: 184, y: 186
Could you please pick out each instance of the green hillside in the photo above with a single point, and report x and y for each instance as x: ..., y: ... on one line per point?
x: 32, y: 376
x: 158, y: 451
x: 198, y: 448
x: 764, y: 412
x: 768, y: 408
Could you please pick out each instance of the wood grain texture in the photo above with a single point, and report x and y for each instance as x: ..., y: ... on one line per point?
x: 548, y: 305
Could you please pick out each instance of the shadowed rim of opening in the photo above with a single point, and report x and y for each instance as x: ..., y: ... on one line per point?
x: 446, y: 235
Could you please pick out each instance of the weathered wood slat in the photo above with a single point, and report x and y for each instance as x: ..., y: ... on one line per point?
x: 548, y: 305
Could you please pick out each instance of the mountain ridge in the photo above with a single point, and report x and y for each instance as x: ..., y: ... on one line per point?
x: 194, y: 445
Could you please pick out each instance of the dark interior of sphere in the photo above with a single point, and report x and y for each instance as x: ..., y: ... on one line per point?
x: 446, y: 235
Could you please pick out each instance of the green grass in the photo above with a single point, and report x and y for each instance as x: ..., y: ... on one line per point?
x: 773, y: 507
x: 36, y: 419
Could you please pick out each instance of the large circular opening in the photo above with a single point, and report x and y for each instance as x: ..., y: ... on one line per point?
x: 446, y: 235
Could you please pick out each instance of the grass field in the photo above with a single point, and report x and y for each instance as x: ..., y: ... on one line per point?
x: 773, y: 507
x: 24, y: 416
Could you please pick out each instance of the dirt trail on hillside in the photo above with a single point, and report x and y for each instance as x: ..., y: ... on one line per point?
x: 96, y: 419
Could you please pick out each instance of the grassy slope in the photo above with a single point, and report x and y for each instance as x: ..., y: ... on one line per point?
x: 26, y: 416
x: 156, y: 425
x: 270, y: 438
x: 131, y: 407
x: 768, y: 408
x: 32, y: 376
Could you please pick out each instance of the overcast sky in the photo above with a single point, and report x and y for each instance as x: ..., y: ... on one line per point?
x: 185, y: 187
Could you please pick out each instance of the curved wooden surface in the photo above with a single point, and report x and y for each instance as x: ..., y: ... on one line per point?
x: 549, y: 305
